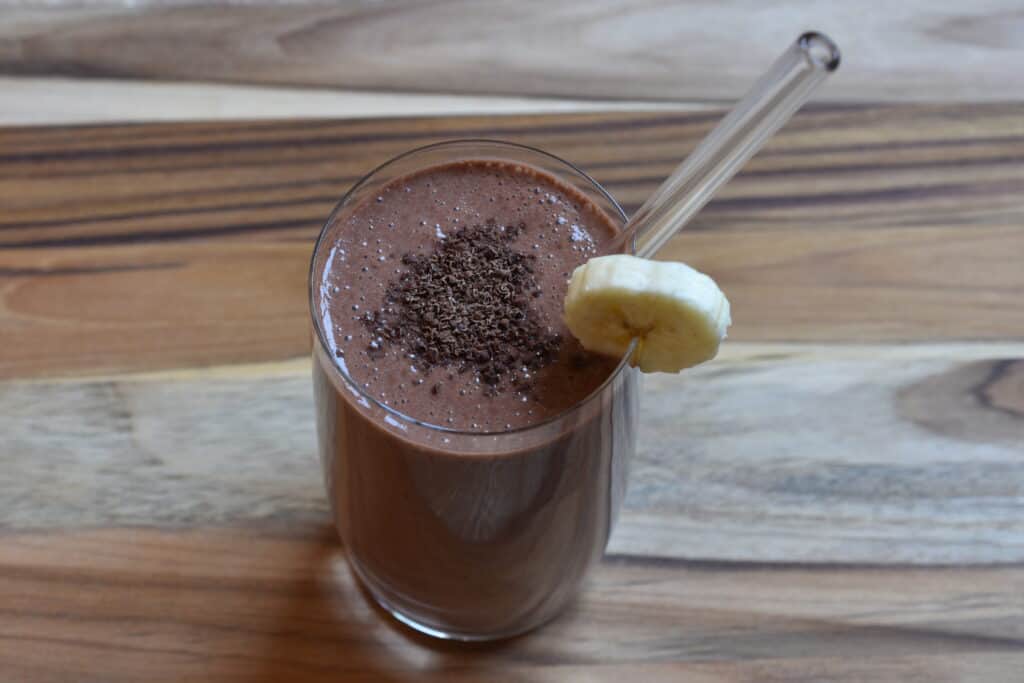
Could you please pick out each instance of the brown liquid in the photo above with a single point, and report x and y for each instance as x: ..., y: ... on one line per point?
x: 468, y: 534
x: 410, y: 215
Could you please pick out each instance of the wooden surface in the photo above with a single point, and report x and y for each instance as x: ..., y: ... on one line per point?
x: 858, y: 224
x: 763, y: 456
x: 839, y: 497
x: 27, y: 100
x: 660, y: 49
x: 255, y: 605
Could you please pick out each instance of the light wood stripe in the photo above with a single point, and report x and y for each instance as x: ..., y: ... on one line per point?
x: 912, y: 50
x: 756, y: 457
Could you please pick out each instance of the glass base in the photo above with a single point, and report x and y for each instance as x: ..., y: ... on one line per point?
x: 405, y: 619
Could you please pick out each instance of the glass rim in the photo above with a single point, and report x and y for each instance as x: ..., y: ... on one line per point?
x: 317, y: 323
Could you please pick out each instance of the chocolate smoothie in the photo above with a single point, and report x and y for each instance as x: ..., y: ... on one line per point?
x: 489, y: 244
x: 439, y: 296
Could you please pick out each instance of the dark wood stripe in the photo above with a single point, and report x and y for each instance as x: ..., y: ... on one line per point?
x: 121, y: 239
x: 482, y: 132
x: 824, y: 198
x: 87, y: 270
x: 894, y: 145
x: 698, y: 565
x: 1001, y: 370
x: 178, y: 211
x: 576, y: 124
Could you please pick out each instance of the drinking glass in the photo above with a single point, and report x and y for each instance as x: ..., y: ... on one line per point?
x: 469, y: 535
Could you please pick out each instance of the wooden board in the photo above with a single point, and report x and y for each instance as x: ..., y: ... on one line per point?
x: 866, y: 224
x: 911, y: 454
x: 916, y: 49
x: 47, y: 100
x: 254, y: 605
x: 839, y: 497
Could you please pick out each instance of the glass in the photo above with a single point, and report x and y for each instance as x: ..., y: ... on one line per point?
x: 469, y: 535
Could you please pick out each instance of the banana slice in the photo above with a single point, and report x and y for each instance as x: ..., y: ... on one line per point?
x: 677, y: 314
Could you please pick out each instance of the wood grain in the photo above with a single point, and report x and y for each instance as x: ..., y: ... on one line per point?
x: 39, y: 100
x: 148, y: 246
x: 659, y: 49
x: 246, y: 605
x: 839, y: 497
x: 753, y: 458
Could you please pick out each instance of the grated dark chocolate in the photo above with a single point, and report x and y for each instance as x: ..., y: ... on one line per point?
x: 466, y: 305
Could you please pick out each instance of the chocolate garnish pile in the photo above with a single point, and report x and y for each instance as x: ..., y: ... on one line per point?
x: 466, y: 304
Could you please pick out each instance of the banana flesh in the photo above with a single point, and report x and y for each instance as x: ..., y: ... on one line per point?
x: 677, y: 314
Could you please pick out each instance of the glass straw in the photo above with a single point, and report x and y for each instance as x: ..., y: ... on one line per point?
x: 766, y: 107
